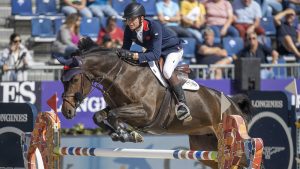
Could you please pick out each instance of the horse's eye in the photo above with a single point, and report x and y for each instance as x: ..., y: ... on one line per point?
x: 75, y: 80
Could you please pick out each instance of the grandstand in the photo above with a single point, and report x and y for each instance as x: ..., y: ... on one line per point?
x: 38, y: 23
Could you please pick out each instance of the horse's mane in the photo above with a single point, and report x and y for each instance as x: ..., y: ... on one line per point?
x: 98, y: 49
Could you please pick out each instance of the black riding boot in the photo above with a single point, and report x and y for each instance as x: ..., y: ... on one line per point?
x: 183, y: 112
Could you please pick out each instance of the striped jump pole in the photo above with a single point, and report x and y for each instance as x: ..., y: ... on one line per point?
x: 234, y: 144
x: 137, y: 153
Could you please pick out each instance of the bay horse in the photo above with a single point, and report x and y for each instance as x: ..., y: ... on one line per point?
x: 138, y: 102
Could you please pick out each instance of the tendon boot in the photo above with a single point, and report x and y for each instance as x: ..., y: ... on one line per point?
x: 181, y: 109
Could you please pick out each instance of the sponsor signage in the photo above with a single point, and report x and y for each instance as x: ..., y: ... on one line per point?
x: 15, y: 120
x: 95, y: 100
x: 271, y: 122
x: 20, y: 92
x: 38, y: 93
x: 93, y: 103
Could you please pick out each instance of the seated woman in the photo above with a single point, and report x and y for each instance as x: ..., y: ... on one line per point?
x: 14, y: 60
x: 219, y: 16
x: 67, y: 37
x: 113, y: 30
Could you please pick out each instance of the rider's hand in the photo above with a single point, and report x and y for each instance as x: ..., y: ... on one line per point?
x: 125, y: 54
x: 5, y: 68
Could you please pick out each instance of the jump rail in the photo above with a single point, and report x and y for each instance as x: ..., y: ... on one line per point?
x: 234, y: 146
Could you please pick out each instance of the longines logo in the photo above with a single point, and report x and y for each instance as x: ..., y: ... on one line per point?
x: 18, y: 92
x: 13, y: 118
x: 267, y: 103
x: 269, y: 151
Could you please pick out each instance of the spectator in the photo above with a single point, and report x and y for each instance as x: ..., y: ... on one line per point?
x: 287, y: 37
x: 169, y: 14
x: 193, y: 17
x: 116, y: 33
x: 107, y: 42
x: 102, y: 7
x: 68, y: 36
x: 210, y: 53
x: 292, y: 4
x: 247, y: 17
x: 76, y: 6
x: 269, y: 7
x: 219, y: 17
x: 258, y: 50
x: 14, y: 60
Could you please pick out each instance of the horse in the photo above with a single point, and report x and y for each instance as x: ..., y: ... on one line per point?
x: 137, y: 102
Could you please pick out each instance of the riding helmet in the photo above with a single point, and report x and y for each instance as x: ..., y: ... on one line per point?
x: 134, y: 10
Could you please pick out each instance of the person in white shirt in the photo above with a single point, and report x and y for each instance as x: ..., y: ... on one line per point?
x: 14, y: 60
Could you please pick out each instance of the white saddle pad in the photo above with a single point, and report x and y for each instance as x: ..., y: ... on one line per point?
x: 188, y: 85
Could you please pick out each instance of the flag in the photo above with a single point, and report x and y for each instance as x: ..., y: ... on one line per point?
x: 52, y: 102
x: 225, y: 104
x: 292, y: 87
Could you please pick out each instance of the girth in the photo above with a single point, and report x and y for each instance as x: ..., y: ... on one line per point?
x: 164, y: 116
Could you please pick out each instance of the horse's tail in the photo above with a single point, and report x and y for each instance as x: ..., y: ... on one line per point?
x: 243, y: 102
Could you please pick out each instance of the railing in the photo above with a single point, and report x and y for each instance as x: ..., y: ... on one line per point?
x: 287, y: 70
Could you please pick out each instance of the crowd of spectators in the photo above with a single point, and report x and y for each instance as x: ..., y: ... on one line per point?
x: 207, y: 21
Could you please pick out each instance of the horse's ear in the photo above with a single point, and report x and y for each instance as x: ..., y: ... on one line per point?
x: 72, y: 62
x: 63, y: 61
x: 86, y: 43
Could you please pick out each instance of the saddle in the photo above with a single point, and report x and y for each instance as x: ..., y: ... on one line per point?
x: 181, y: 71
x: 164, y: 116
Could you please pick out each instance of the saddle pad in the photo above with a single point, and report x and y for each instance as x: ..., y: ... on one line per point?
x: 157, y: 73
x: 188, y: 85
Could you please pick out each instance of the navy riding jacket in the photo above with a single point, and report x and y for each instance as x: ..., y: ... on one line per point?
x: 157, y: 39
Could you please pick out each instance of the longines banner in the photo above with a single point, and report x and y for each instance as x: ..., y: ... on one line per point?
x: 15, y: 120
x: 38, y: 93
x: 272, y: 122
x: 93, y: 103
x: 21, y: 92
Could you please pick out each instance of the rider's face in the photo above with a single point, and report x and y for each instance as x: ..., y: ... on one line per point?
x: 133, y: 23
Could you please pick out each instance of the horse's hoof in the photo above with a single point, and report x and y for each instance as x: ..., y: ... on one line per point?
x: 137, y: 137
x: 188, y: 118
x: 115, y: 137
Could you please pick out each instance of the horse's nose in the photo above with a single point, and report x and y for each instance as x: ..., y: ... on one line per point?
x: 70, y: 114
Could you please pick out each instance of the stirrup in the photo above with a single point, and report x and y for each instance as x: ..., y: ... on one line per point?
x: 187, y: 116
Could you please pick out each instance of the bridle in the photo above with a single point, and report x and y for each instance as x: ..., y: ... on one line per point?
x: 79, y: 95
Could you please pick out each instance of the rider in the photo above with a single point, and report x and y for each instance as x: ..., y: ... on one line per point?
x: 158, y: 41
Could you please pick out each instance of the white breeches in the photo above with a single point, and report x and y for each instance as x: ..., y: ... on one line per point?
x: 171, y: 62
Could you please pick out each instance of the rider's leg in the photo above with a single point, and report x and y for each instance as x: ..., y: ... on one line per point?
x: 170, y: 64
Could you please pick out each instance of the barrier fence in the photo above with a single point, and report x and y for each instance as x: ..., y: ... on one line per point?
x: 287, y: 70
x: 233, y: 145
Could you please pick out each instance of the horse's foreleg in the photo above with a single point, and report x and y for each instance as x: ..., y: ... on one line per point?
x: 100, y: 119
x: 123, y: 131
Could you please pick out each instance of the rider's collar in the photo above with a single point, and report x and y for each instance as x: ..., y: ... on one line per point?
x: 140, y: 29
x: 144, y: 27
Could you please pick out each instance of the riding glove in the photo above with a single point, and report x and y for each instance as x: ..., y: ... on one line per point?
x: 125, y: 54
